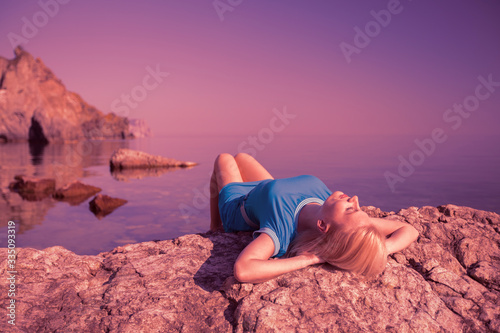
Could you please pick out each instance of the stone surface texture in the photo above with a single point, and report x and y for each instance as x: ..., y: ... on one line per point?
x: 125, y: 158
x: 447, y: 281
x: 35, y: 106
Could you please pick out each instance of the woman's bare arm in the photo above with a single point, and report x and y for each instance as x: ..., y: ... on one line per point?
x: 400, y: 234
x: 253, y: 264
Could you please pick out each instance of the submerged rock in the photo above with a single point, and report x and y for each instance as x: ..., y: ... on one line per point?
x: 75, y: 193
x: 128, y: 159
x: 31, y: 188
x: 103, y: 205
x: 35, y: 106
x: 447, y: 281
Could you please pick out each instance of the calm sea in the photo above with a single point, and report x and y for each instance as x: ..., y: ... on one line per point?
x: 163, y: 204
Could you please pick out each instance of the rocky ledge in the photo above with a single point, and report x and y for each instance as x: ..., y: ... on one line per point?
x: 447, y: 281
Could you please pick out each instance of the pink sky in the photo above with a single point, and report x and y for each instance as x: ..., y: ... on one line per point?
x: 226, y: 76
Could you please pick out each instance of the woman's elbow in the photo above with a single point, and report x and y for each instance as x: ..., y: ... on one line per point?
x: 241, y: 273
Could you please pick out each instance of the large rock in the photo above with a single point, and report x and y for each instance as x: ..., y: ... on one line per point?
x: 35, y: 105
x: 129, y: 159
x: 447, y: 281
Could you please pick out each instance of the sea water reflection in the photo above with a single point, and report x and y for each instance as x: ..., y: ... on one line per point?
x: 463, y: 172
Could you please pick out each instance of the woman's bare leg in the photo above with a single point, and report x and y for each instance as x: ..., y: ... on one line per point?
x: 215, y: 221
x: 225, y: 171
x: 250, y: 169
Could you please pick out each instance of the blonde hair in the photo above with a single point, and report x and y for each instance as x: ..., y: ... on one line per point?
x: 358, y: 249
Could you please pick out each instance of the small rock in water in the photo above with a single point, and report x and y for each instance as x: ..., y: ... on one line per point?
x: 103, y: 205
x: 127, y: 158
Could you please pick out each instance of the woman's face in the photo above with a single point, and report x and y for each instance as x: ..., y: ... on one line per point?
x: 341, y: 210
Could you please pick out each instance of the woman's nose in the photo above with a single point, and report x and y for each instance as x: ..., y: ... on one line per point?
x: 355, y: 200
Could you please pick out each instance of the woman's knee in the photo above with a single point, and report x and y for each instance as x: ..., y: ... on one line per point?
x: 222, y: 159
x: 243, y: 157
x: 226, y: 167
x: 225, y: 171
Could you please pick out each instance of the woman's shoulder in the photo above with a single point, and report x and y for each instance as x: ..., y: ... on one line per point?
x: 309, y: 178
x: 302, y: 181
x: 302, y: 178
x: 314, y: 184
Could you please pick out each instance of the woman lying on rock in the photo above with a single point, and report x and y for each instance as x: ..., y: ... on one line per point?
x: 300, y: 219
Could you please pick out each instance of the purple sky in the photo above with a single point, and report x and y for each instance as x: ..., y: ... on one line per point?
x: 228, y: 71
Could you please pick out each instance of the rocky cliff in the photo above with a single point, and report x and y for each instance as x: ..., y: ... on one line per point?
x: 447, y: 281
x: 35, y: 106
